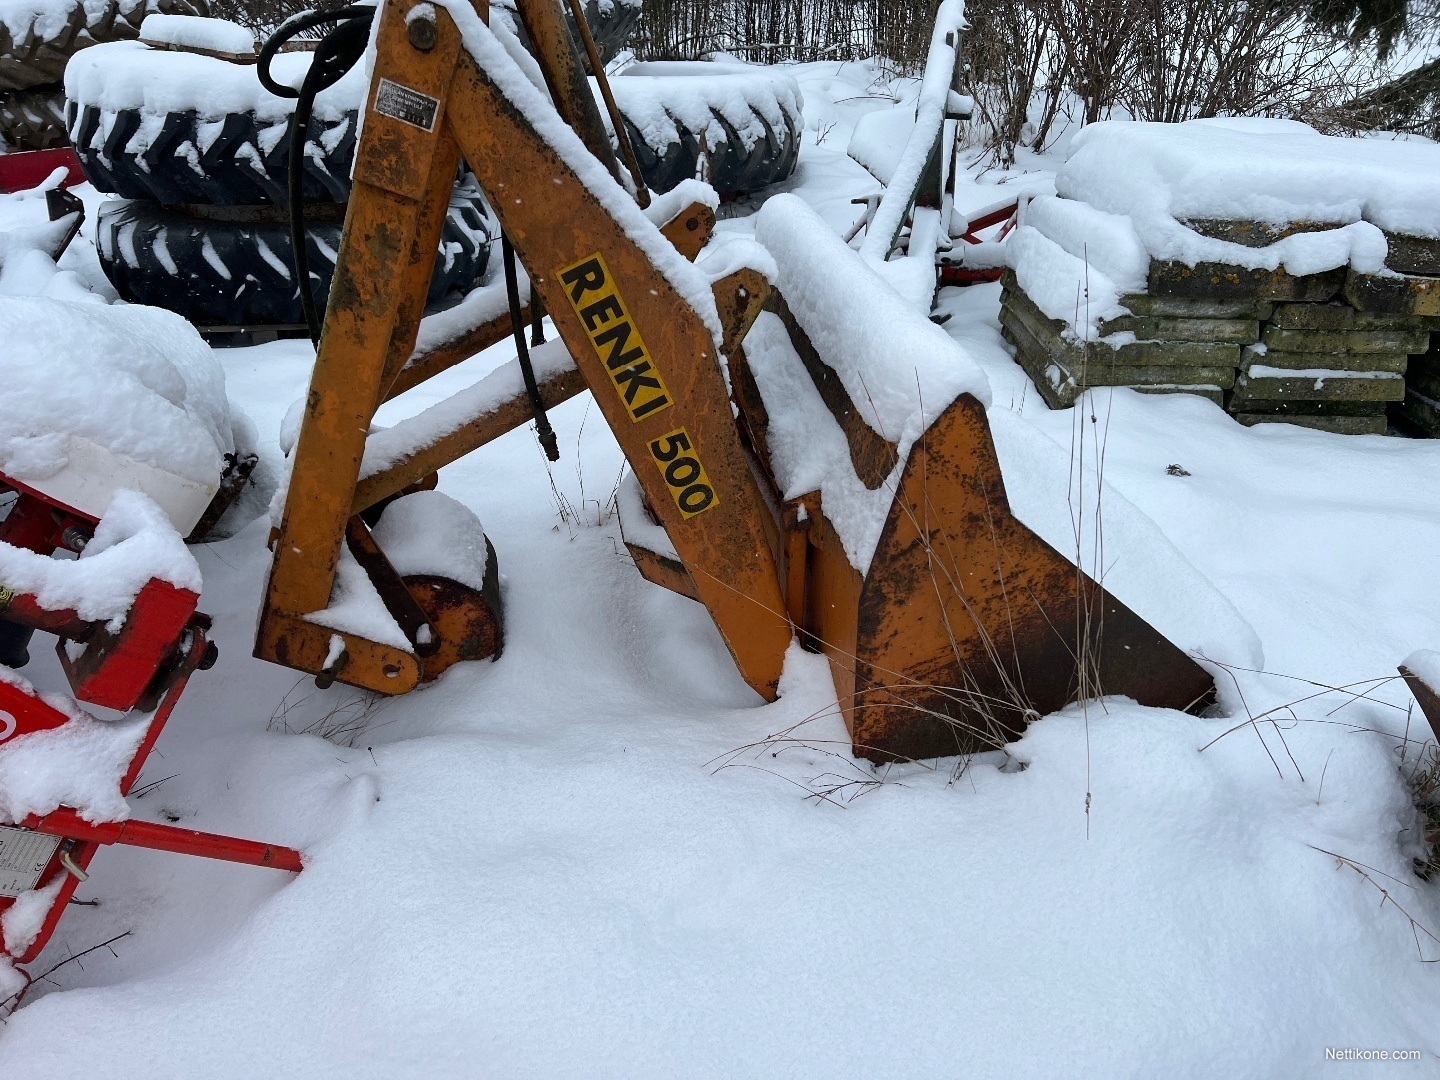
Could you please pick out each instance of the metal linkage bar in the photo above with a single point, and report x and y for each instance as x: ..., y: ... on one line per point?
x: 145, y: 834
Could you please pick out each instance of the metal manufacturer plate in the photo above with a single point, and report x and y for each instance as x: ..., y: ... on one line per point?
x: 24, y: 854
x: 406, y: 105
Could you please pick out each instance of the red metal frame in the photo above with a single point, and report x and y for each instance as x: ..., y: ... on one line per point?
x: 965, y: 275
x: 146, y: 834
x: 30, y: 168
x: 144, y: 665
x: 85, y: 847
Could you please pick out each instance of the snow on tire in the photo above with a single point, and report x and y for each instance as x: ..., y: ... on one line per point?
x: 38, y: 37
x: 238, y: 273
x: 611, y: 22
x: 32, y: 119
x: 179, y: 127
x: 180, y: 157
x: 740, y: 125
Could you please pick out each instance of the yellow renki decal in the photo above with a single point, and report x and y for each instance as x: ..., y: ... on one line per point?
x: 679, y: 464
x: 616, y: 339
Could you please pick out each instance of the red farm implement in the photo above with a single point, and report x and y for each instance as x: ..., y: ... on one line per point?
x: 137, y: 664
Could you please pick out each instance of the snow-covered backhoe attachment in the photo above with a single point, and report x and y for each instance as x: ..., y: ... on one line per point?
x: 959, y: 626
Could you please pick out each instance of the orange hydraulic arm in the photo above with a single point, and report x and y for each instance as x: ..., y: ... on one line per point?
x: 638, y: 343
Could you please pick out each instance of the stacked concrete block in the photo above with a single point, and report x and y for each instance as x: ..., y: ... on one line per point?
x: 1411, y: 299
x: 1326, y: 366
x: 1338, y: 350
x: 1163, y: 347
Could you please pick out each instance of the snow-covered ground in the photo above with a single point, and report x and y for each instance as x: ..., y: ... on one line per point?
x: 568, y: 863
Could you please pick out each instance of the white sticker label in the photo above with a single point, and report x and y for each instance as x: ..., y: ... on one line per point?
x: 406, y: 105
x: 8, y: 724
x: 24, y: 854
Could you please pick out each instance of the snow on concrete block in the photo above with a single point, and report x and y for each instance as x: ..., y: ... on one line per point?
x: 1061, y: 284
x: 1341, y: 316
x: 1335, y: 425
x: 1106, y: 242
x: 1262, y: 382
x: 1172, y: 328
x: 1183, y: 307
x: 1220, y: 279
x: 1393, y: 294
x: 1343, y: 361
x: 1247, y: 168
x: 1403, y: 342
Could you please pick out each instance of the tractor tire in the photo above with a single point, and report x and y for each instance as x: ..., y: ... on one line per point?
x: 234, y: 169
x: 237, y: 274
x: 612, y: 23
x: 32, y: 119
x: 737, y: 128
x: 35, y: 52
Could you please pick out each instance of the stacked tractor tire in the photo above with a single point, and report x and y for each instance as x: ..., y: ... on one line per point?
x: 737, y: 128
x: 37, y: 39
x: 198, y: 154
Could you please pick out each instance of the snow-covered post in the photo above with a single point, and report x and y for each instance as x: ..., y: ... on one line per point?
x: 919, y: 177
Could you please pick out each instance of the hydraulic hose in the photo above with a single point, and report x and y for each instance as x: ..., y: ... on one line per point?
x: 335, y: 54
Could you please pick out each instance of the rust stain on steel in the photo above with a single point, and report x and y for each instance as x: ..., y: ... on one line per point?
x: 739, y: 299
x: 385, y: 212
x: 564, y: 74
x: 1425, y: 696
x: 415, y: 280
x: 369, y: 334
x: 660, y: 569
x: 968, y: 624
x: 469, y: 623
x: 691, y: 229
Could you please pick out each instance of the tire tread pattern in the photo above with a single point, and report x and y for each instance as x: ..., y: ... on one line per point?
x: 157, y: 256
x: 33, y: 119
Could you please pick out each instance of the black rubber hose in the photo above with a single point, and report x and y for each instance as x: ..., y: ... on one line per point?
x: 527, y: 372
x: 335, y: 54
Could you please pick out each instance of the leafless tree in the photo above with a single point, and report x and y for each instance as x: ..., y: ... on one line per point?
x: 776, y: 30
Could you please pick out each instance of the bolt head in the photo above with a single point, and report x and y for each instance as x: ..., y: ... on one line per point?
x: 423, y: 32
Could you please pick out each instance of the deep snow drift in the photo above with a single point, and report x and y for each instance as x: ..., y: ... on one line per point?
x: 567, y: 863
